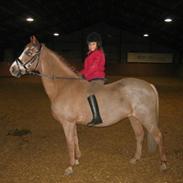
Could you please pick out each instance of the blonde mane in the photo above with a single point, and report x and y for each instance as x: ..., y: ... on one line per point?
x: 65, y: 63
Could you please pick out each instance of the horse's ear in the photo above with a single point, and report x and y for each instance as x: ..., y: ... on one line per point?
x: 34, y: 40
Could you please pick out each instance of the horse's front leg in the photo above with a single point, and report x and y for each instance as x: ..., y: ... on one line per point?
x: 77, y: 150
x: 69, y: 130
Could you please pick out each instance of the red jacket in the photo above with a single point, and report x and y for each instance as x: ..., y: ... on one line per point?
x: 94, y: 65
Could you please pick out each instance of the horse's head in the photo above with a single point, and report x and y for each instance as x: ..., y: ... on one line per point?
x: 28, y: 60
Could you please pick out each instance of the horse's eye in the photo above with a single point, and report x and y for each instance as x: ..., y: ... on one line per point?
x: 29, y: 53
x: 29, y: 65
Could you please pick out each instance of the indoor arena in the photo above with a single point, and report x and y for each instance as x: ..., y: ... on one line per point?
x: 46, y: 111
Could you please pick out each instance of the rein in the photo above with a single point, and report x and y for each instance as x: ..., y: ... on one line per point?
x: 53, y: 77
x: 36, y: 58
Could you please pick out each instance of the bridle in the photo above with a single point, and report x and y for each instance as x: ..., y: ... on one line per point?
x: 29, y: 63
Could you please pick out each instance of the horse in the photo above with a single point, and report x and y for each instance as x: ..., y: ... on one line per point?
x: 129, y: 97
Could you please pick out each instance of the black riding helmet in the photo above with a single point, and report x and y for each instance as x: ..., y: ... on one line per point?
x: 94, y: 37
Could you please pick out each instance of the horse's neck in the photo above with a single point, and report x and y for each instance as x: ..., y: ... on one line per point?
x: 51, y: 65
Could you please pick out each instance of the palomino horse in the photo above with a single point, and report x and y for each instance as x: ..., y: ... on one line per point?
x: 130, y: 98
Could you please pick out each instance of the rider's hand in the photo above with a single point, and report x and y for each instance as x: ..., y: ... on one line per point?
x: 81, y: 77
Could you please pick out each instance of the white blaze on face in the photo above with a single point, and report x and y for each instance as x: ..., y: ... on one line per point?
x: 21, y: 56
x: 16, y: 67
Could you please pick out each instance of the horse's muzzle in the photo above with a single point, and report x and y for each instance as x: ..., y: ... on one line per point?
x: 14, y: 71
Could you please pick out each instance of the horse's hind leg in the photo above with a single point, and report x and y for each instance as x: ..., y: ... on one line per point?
x: 155, y: 132
x: 139, y: 134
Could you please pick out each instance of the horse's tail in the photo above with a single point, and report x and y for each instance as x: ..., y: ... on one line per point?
x: 152, y: 145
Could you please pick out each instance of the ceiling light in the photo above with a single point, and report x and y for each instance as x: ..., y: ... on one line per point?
x: 29, y: 19
x: 168, y: 20
x: 56, y: 34
x: 146, y: 35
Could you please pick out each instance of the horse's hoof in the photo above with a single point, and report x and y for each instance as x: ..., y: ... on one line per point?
x: 77, y: 162
x: 68, y: 171
x: 133, y: 161
x: 163, y: 167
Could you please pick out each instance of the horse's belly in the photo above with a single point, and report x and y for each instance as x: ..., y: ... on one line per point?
x: 110, y: 122
x: 112, y: 118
